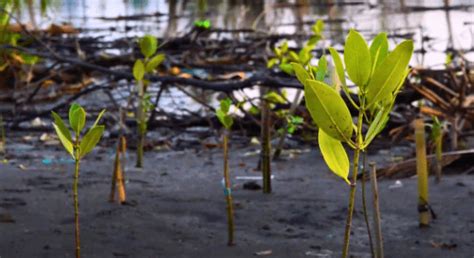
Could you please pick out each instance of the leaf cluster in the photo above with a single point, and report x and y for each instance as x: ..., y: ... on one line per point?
x: 223, y: 114
x: 76, y: 146
x: 378, y: 74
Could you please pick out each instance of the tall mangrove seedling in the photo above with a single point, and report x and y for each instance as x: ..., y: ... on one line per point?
x: 148, y: 47
x: 378, y: 75
x: 77, y: 147
x: 226, y: 120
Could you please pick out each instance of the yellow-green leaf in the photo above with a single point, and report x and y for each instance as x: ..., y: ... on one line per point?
x: 98, y: 118
x: 138, y: 70
x: 65, y: 142
x: 379, y: 50
x: 328, y: 110
x: 90, y: 140
x: 155, y: 62
x: 334, y: 155
x: 301, y: 74
x: 148, y: 45
x: 338, y: 65
x: 357, y: 59
x: 61, y: 125
x: 77, y: 118
x: 387, y: 76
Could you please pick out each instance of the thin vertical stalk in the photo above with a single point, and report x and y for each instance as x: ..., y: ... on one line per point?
x: 266, y: 148
x: 377, y: 221
x: 294, y: 105
x: 439, y: 156
x: 355, y: 169
x: 76, y: 208
x: 140, y: 125
x: 422, y: 172
x: 228, y: 190
x: 364, y: 203
x: 118, y: 180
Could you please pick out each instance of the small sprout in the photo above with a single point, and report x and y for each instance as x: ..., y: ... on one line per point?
x: 77, y: 147
x: 202, y: 24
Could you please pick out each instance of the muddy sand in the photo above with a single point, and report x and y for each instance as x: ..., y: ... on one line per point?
x: 176, y: 208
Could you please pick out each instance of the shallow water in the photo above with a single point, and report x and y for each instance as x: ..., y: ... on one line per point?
x: 441, y: 30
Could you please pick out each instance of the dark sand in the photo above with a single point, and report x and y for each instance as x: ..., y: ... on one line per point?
x: 177, y: 209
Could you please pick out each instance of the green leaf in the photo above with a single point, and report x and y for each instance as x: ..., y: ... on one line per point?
x: 293, y: 56
x: 284, y: 47
x: 64, y: 140
x: 154, y: 62
x: 98, y: 118
x: 274, y: 98
x: 90, y: 140
x: 318, y: 27
x: 272, y: 62
x: 357, y: 59
x: 334, y: 155
x: 377, y: 125
x: 379, y: 50
x: 148, y: 45
x: 287, y: 68
x: 225, y: 119
x: 138, y: 70
x: 61, y: 126
x: 313, y: 40
x: 387, y: 76
x: 328, y: 110
x: 77, y: 118
x: 301, y: 74
x: 225, y: 105
x: 338, y: 65
x: 322, y: 69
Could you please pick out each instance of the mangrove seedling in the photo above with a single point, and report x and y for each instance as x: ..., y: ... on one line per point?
x: 118, y: 178
x: 437, y: 138
x: 422, y: 172
x: 148, y: 47
x: 378, y: 75
x: 77, y: 147
x: 226, y: 120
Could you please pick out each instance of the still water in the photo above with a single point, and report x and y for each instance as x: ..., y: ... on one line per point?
x: 444, y: 29
x: 420, y: 19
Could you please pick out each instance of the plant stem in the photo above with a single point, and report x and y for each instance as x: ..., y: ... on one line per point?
x: 377, y: 223
x: 141, y: 123
x: 364, y: 203
x: 140, y: 143
x: 422, y: 172
x: 439, y: 156
x: 228, y: 193
x: 355, y: 169
x: 266, y: 148
x: 76, y: 208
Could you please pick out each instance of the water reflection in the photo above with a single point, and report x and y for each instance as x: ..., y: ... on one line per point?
x: 448, y: 29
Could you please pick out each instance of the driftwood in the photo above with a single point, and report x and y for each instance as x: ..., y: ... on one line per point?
x: 407, y: 168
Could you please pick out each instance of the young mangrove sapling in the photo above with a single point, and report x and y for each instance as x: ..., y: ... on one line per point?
x: 77, y: 147
x: 379, y: 75
x: 226, y: 120
x: 148, y: 47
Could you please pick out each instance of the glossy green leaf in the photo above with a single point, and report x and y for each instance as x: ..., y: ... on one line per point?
x: 138, y: 70
x: 301, y: 74
x: 377, y: 125
x: 272, y: 62
x: 98, y: 118
x: 90, y: 140
x: 148, y: 45
x: 387, y: 76
x: 225, y: 119
x: 328, y: 110
x: 77, y: 118
x: 318, y: 27
x: 322, y: 69
x: 338, y: 65
x: 287, y: 68
x: 293, y: 56
x: 64, y: 140
x: 225, y: 105
x: 61, y: 126
x: 274, y: 98
x: 334, y: 155
x: 154, y: 62
x: 357, y: 59
x: 379, y: 50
